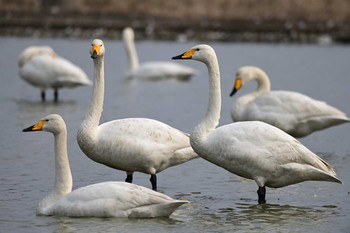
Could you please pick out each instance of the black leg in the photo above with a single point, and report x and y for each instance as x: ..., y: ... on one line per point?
x: 261, y: 195
x: 43, y: 95
x: 128, y: 178
x: 55, y: 94
x: 154, y: 181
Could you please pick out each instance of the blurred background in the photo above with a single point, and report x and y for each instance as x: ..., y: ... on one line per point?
x: 311, y: 21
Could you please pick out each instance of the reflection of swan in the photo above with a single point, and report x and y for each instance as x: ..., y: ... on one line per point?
x: 254, y: 150
x: 132, y: 144
x: 107, y: 199
x: 42, y: 68
x: 151, y: 70
x: 294, y: 113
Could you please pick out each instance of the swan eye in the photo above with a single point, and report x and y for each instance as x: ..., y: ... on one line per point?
x: 100, y: 45
x: 46, y: 120
x: 197, y: 49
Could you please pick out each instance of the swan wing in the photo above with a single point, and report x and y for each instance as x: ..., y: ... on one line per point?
x: 114, y: 199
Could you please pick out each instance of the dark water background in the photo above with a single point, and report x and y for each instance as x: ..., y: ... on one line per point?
x: 220, y: 201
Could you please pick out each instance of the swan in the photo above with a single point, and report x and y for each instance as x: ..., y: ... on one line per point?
x: 152, y: 71
x: 252, y: 149
x: 130, y: 144
x: 294, y: 113
x: 41, y: 67
x: 106, y: 199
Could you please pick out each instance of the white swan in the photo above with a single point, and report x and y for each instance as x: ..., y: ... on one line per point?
x: 107, y: 199
x: 252, y: 149
x: 294, y: 113
x: 153, y: 71
x: 42, y: 68
x: 132, y: 144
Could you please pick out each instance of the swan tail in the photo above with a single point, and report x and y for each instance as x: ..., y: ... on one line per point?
x: 185, y: 154
x: 156, y: 210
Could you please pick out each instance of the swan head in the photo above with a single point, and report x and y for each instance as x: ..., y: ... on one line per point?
x: 52, y: 123
x: 244, y: 75
x: 33, y: 51
x: 128, y: 34
x: 201, y: 52
x: 97, y: 49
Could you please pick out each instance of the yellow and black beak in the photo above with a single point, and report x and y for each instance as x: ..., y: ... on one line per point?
x: 237, y: 86
x: 186, y: 55
x: 37, y: 127
x: 95, y: 51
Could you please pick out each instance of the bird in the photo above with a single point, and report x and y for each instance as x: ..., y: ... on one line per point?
x: 155, y: 70
x: 129, y: 144
x: 105, y: 199
x: 252, y: 149
x: 294, y: 113
x: 41, y: 67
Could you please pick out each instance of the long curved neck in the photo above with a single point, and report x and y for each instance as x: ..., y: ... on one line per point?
x: 131, y: 53
x: 263, y: 81
x: 212, y: 116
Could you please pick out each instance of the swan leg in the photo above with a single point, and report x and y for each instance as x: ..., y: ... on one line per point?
x: 43, y: 95
x: 261, y: 195
x: 128, y: 177
x: 153, y: 180
x: 55, y: 94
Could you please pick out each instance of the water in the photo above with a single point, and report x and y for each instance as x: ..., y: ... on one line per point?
x: 220, y: 201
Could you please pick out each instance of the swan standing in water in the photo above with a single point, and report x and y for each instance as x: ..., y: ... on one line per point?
x: 106, y: 199
x: 42, y: 68
x: 131, y: 144
x: 253, y: 149
x: 294, y: 113
x: 152, y: 70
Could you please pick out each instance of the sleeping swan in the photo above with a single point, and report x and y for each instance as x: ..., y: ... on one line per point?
x: 107, y: 199
x: 129, y: 144
x: 252, y: 149
x: 152, y: 71
x: 292, y: 112
x: 41, y: 67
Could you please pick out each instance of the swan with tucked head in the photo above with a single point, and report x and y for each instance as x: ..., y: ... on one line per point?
x: 153, y: 71
x: 41, y: 67
x: 130, y: 144
x: 292, y: 112
x: 253, y: 149
x: 106, y: 199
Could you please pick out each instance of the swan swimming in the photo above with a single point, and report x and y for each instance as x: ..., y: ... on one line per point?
x: 153, y: 71
x: 292, y: 112
x: 106, y: 199
x: 130, y: 144
x: 41, y: 67
x: 252, y: 149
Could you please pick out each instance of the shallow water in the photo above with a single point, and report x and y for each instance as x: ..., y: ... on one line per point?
x: 220, y: 201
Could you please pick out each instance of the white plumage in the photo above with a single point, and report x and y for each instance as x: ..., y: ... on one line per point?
x: 107, y: 199
x: 253, y: 149
x: 132, y: 144
x: 42, y: 68
x: 153, y: 71
x: 294, y: 113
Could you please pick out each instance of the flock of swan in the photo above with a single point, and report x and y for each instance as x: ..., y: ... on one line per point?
x: 259, y: 145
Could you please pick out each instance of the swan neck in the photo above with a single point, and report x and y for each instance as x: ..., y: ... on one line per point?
x: 263, y: 82
x: 132, y: 54
x: 212, y: 116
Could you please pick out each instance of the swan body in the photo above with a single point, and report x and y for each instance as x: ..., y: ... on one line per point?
x: 253, y: 149
x: 152, y: 71
x: 106, y: 199
x: 294, y: 113
x: 131, y: 144
x: 42, y: 68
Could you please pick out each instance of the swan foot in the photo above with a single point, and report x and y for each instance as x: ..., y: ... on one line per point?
x: 43, y: 95
x: 153, y: 180
x: 261, y: 195
x: 128, y: 178
x: 55, y: 95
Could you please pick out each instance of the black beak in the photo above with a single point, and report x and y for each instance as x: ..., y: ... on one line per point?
x: 29, y: 129
x: 179, y: 57
x: 234, y: 90
x: 94, y: 54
